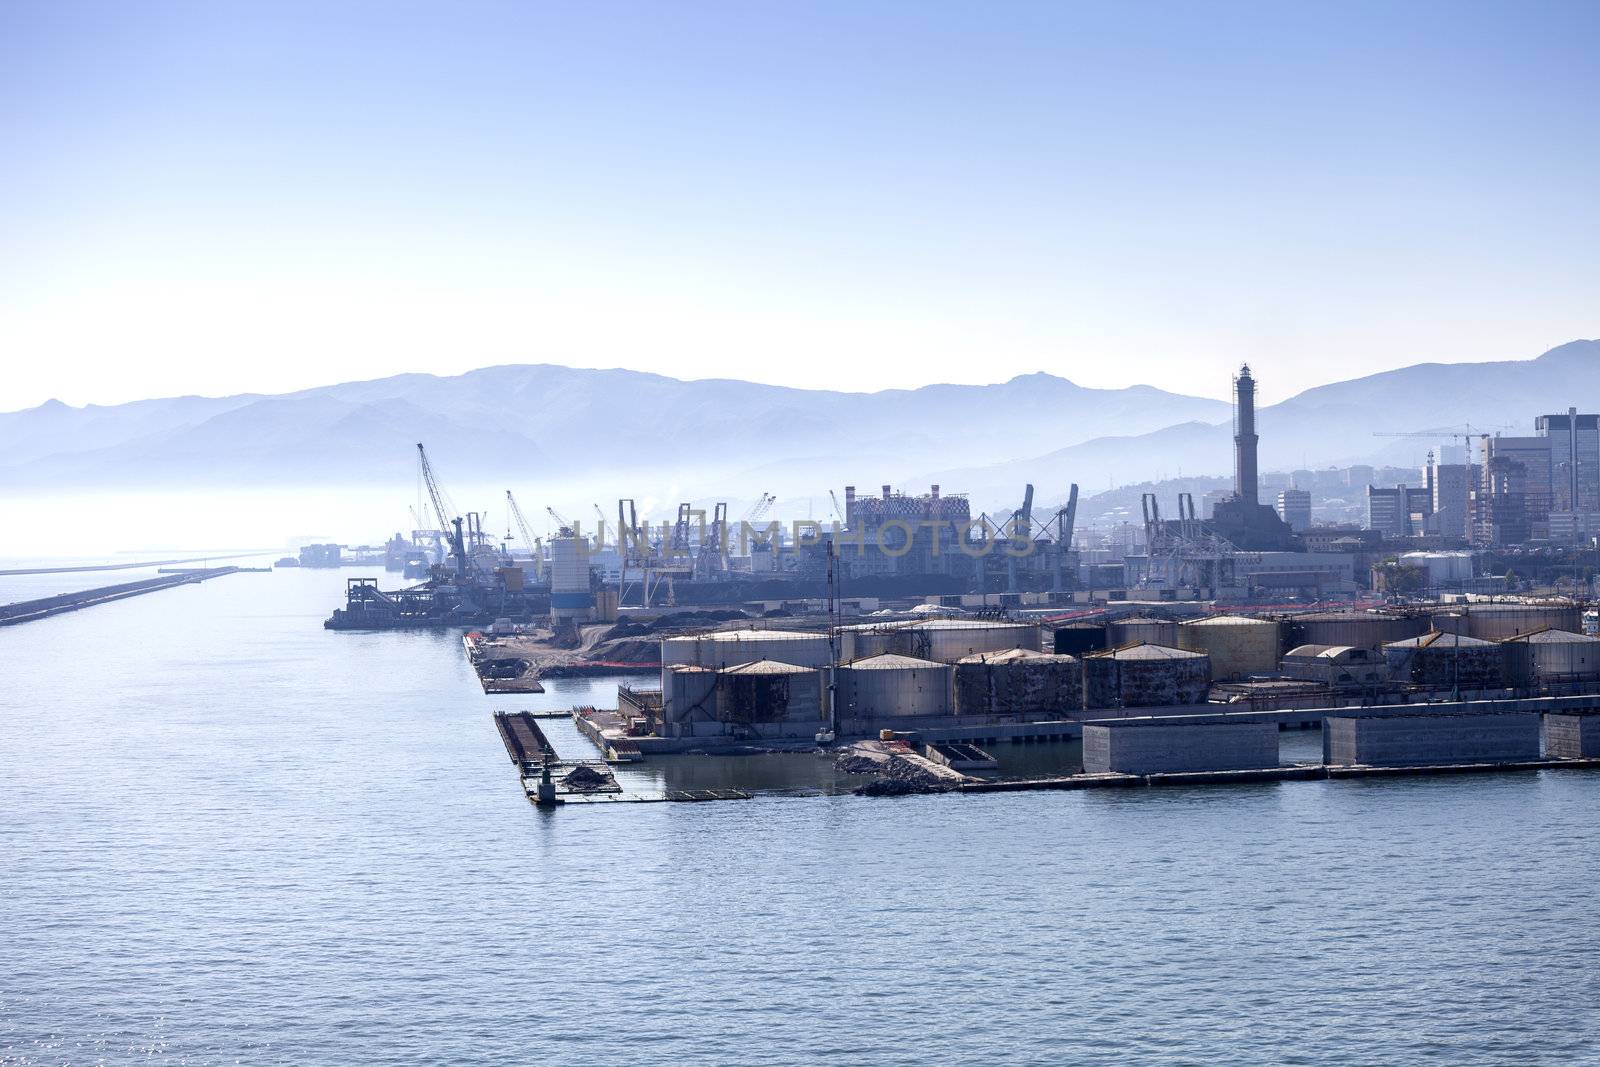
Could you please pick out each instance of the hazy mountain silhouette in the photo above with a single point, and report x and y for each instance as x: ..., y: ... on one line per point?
x: 517, y: 420
x: 520, y: 422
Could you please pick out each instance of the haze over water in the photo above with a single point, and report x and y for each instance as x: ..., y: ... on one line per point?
x: 231, y: 835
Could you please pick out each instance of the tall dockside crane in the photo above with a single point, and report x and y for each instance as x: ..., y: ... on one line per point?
x: 1020, y: 532
x: 535, y: 546
x: 458, y: 544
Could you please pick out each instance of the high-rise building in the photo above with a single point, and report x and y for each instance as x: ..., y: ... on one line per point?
x: 1399, y: 512
x: 1451, y: 486
x: 1574, y: 463
x: 1294, y: 508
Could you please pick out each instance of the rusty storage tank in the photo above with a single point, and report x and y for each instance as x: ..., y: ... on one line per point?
x: 727, y: 648
x: 774, y: 699
x: 948, y: 640
x: 688, y: 696
x: 1140, y: 676
x: 892, y: 686
x: 1076, y: 638
x: 1149, y: 631
x: 1552, y: 656
x: 1238, y: 645
x: 1443, y: 660
x: 1353, y: 629
x: 1496, y: 622
x: 1019, y: 683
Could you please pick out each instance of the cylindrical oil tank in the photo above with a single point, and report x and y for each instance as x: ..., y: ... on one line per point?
x: 1019, y: 683
x: 1440, y: 660
x: 1145, y: 676
x: 1237, y: 645
x: 1552, y: 656
x: 688, y: 694
x: 1354, y: 629
x: 726, y: 648
x: 768, y: 693
x: 1076, y: 638
x: 870, y: 639
x: 947, y: 640
x: 1162, y: 632
x: 891, y: 686
x: 1496, y: 622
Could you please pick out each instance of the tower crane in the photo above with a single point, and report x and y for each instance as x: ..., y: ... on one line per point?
x: 441, y: 508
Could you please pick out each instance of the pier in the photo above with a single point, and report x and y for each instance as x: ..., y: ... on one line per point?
x: 43, y: 608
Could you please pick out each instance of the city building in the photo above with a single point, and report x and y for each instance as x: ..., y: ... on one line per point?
x: 1294, y: 508
x: 1399, y: 512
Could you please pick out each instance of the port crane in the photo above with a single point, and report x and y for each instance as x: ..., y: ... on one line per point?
x: 441, y: 508
x: 535, y: 545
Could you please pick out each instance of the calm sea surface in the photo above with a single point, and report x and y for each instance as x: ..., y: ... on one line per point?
x: 229, y: 835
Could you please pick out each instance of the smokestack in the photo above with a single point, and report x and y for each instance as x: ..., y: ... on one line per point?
x: 1245, y: 485
x: 886, y: 492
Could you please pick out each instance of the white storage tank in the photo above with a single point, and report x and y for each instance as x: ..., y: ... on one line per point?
x: 1552, y: 656
x: 891, y: 686
x: 866, y: 639
x: 571, y: 599
x: 948, y: 640
x: 727, y: 648
x: 1237, y: 645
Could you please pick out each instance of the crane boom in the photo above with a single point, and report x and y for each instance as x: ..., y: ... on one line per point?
x: 446, y: 523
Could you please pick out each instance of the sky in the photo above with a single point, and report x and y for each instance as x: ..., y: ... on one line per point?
x: 229, y: 197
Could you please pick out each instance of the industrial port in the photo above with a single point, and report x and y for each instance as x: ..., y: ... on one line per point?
x: 910, y: 639
x: 914, y: 642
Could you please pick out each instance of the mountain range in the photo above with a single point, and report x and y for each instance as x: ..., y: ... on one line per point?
x: 617, y: 429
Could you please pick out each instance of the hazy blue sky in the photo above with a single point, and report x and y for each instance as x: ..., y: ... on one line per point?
x: 218, y: 197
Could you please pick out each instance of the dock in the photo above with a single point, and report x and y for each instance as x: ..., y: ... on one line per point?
x: 549, y: 780
x: 44, y: 607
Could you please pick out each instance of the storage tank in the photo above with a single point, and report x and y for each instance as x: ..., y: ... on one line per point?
x: 947, y: 640
x: 1076, y: 638
x: 570, y: 597
x: 1496, y: 622
x: 1444, y: 660
x: 688, y: 695
x: 770, y: 694
x: 892, y: 686
x: 1145, y: 676
x: 726, y: 648
x: 1552, y: 656
x: 867, y: 639
x: 1147, y: 631
x: 1019, y: 683
x: 1353, y: 629
x: 1236, y: 644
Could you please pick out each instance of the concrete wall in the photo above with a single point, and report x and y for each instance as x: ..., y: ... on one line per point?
x: 1140, y: 749
x: 1572, y: 736
x: 1404, y: 740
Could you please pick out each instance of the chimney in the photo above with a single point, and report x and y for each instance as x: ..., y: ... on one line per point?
x: 1245, y: 483
x: 886, y: 492
x: 936, y: 492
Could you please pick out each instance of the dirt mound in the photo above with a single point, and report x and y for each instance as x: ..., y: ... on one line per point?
x: 585, y: 777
